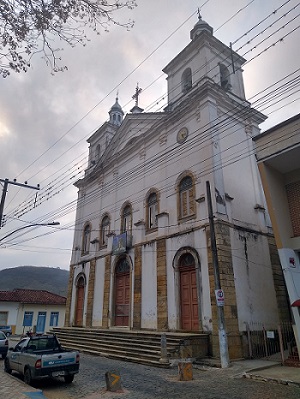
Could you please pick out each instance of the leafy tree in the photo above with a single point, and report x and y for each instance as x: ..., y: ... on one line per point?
x: 28, y: 27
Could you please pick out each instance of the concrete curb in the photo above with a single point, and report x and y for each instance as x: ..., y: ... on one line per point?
x: 258, y: 377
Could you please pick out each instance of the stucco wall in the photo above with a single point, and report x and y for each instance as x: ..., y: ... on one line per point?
x: 12, y: 308
x: 149, y: 287
x: 255, y: 291
x: 36, y: 309
x: 98, y: 294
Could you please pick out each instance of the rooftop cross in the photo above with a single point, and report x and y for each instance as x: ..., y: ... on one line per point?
x: 138, y: 91
x: 198, y: 12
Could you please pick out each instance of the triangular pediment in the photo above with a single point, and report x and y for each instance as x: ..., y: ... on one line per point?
x: 133, y: 128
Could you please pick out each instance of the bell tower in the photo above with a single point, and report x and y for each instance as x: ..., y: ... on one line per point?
x: 204, y: 59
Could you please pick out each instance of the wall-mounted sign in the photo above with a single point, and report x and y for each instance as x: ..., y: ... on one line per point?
x: 219, y: 297
x: 119, y: 244
x: 270, y: 334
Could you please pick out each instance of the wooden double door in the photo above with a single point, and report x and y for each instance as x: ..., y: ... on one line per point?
x: 122, y: 294
x: 79, y: 302
x: 189, y: 309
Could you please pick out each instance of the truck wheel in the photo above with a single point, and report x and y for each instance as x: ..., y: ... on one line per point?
x: 69, y: 378
x: 7, y: 369
x: 27, y: 377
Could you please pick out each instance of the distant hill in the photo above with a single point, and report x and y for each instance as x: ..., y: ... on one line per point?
x: 36, y: 278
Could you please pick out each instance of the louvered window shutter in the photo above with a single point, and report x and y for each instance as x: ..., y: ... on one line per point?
x: 184, y: 204
x: 191, y: 202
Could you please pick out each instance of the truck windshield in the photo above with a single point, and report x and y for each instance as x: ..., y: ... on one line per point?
x: 44, y: 343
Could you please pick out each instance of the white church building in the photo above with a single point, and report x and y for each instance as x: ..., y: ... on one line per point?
x: 142, y: 255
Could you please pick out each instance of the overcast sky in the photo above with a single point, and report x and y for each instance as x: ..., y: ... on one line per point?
x: 45, y: 119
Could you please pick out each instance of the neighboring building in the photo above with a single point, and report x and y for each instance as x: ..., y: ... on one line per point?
x: 142, y: 249
x: 31, y: 310
x: 278, y: 157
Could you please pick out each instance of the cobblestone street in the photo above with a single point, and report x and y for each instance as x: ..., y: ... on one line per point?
x: 146, y: 382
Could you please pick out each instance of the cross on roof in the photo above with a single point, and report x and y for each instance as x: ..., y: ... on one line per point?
x: 138, y: 91
x: 198, y: 12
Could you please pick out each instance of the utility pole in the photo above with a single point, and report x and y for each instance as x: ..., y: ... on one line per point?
x: 224, y: 356
x: 4, y: 191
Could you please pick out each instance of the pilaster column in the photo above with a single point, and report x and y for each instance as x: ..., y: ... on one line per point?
x: 69, y: 297
x: 162, y: 296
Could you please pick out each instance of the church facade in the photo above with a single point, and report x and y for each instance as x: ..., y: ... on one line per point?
x: 142, y: 256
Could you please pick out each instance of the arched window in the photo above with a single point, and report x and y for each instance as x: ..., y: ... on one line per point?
x: 186, y: 80
x: 86, y: 239
x: 97, y: 152
x: 186, y: 197
x: 225, y: 77
x: 152, y: 211
x: 104, y: 230
x: 126, y: 219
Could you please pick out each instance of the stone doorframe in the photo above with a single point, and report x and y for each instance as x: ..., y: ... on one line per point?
x: 176, y: 264
x: 111, y: 321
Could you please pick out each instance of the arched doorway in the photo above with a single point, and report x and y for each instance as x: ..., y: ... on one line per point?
x: 189, y: 312
x: 79, y: 301
x: 122, y: 293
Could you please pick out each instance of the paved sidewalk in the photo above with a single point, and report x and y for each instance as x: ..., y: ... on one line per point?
x: 265, y: 370
x: 12, y: 387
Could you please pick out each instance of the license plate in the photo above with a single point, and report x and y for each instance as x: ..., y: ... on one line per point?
x: 58, y: 373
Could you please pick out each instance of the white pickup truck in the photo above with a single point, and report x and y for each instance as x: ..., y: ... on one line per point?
x: 42, y: 356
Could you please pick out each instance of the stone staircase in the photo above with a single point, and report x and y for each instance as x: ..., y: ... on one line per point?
x: 136, y: 346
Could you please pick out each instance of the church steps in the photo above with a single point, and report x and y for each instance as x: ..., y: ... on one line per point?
x: 111, y: 340
x: 137, y: 346
x: 115, y: 350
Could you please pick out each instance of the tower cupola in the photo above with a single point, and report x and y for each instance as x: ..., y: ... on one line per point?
x: 116, y: 114
x: 200, y: 27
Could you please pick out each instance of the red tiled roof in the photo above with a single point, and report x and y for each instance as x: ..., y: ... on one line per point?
x: 32, y: 296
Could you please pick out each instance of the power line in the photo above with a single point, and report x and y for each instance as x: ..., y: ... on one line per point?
x: 71, y: 147
x: 138, y: 66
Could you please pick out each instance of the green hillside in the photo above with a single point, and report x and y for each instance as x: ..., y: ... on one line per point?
x: 37, y: 278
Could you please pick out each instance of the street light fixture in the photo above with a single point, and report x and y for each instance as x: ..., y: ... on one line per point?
x: 29, y: 225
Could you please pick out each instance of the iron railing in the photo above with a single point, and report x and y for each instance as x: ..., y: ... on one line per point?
x: 273, y: 342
